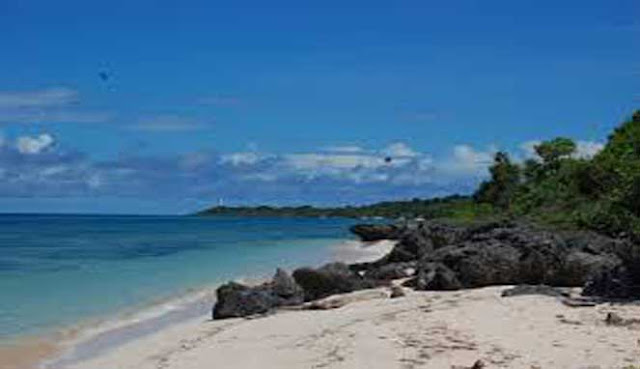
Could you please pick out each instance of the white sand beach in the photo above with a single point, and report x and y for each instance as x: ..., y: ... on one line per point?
x: 421, y: 330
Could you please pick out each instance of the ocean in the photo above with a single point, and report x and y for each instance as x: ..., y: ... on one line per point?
x: 59, y: 271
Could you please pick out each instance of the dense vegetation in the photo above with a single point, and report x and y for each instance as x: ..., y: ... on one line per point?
x: 557, y: 187
x: 601, y: 193
x: 456, y: 206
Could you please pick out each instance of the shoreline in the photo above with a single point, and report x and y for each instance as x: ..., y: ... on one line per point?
x: 424, y: 329
x: 96, y: 337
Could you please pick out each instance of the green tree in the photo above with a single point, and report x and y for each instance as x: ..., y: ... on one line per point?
x: 552, y: 151
x: 501, y: 188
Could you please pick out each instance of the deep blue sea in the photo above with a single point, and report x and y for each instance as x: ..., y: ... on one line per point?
x: 58, y: 270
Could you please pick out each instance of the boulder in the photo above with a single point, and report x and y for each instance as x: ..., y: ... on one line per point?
x: 376, y: 232
x: 508, y: 253
x: 615, y: 283
x: 437, y: 277
x: 235, y: 300
x: 397, y: 291
x: 391, y: 271
x: 525, y: 289
x: 330, y: 279
x: 286, y: 289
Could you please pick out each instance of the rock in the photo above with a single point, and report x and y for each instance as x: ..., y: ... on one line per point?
x: 340, y: 300
x: 236, y: 300
x: 505, y: 253
x: 397, y: 291
x: 392, y: 271
x: 330, y: 279
x: 286, y: 288
x: 579, y: 267
x: 614, y: 319
x: 437, y: 277
x: 526, y: 289
x: 376, y: 232
x: 579, y: 302
x: 615, y: 283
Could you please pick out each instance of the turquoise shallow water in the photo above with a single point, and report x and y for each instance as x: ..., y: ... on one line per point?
x: 56, y: 271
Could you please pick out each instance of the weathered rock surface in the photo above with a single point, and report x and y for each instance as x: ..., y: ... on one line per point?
x: 330, y: 279
x: 376, y: 232
x: 452, y: 257
x: 526, y: 289
x: 440, y: 256
x: 397, y: 291
x: 237, y: 300
x: 392, y: 271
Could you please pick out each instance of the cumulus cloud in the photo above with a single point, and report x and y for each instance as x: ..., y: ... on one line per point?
x: 37, y: 166
x: 467, y: 161
x: 45, y: 98
x: 34, y: 145
x: 399, y: 150
x: 588, y: 149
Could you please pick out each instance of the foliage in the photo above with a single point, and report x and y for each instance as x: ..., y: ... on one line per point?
x: 552, y: 151
x: 505, y: 179
x: 602, y: 193
x: 459, y: 207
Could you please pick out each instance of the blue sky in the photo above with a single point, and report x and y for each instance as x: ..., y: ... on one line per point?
x: 295, y: 102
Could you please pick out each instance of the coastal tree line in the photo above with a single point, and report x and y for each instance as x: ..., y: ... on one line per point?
x: 556, y: 187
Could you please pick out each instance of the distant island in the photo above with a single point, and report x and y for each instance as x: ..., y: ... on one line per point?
x: 556, y: 188
x: 431, y: 208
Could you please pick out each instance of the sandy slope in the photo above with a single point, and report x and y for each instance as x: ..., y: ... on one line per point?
x: 421, y: 330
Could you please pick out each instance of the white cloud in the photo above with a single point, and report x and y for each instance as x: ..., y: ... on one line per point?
x: 399, y: 150
x: 529, y: 148
x: 168, y: 123
x: 242, y: 158
x: 344, y: 149
x: 587, y: 149
x: 320, y: 161
x: 466, y: 161
x: 46, y: 98
x: 34, y: 145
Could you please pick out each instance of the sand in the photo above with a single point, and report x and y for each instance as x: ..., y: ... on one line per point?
x: 421, y: 330
x: 439, y: 330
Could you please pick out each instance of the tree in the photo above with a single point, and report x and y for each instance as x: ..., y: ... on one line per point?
x: 552, y: 151
x: 505, y: 179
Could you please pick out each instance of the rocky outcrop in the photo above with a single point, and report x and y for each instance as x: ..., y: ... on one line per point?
x: 451, y: 257
x: 440, y: 256
x: 236, y: 300
x: 328, y: 280
x: 376, y: 232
